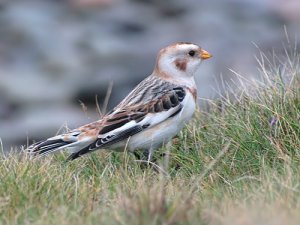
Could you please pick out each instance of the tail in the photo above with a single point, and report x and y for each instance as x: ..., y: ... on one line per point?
x: 68, y: 141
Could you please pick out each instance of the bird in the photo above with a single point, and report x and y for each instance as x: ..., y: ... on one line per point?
x: 155, y: 111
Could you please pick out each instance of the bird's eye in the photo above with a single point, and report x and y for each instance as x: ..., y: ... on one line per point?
x: 192, y: 53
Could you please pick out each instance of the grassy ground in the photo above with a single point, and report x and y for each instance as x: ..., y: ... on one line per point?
x: 236, y: 163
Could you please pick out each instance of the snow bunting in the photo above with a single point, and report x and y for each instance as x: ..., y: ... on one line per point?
x: 151, y: 115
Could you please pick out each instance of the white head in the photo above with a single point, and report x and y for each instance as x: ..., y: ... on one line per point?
x: 180, y: 61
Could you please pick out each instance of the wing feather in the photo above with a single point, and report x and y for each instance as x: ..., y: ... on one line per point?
x: 128, y: 121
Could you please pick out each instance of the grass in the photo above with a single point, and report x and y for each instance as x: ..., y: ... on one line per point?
x: 237, y: 162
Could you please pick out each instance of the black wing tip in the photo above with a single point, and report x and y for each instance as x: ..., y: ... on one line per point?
x: 45, y: 147
x: 114, y: 139
x: 76, y: 155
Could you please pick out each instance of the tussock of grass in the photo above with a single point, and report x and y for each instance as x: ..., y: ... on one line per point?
x: 237, y: 163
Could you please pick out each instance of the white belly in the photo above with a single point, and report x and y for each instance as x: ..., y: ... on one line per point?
x: 163, y: 132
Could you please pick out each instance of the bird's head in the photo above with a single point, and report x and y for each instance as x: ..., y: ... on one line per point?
x: 180, y: 60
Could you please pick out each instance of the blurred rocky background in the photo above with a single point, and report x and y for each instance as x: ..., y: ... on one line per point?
x: 57, y: 54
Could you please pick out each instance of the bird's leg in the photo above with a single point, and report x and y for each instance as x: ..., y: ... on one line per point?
x: 144, y: 158
x: 149, y: 152
x: 166, y: 155
x: 141, y: 155
x: 146, y: 155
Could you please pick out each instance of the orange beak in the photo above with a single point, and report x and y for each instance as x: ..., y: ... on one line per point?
x: 204, y: 54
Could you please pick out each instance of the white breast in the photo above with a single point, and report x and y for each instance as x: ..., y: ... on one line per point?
x: 162, y: 133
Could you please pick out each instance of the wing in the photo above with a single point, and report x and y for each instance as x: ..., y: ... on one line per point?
x: 128, y: 119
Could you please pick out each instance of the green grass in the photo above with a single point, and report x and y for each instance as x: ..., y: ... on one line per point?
x: 229, y: 166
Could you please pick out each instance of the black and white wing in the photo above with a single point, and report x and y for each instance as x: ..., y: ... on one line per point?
x: 126, y: 121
